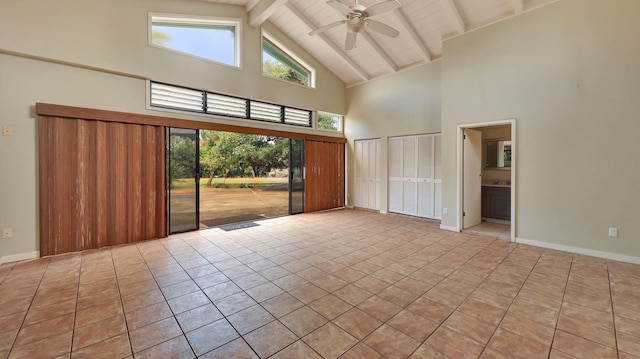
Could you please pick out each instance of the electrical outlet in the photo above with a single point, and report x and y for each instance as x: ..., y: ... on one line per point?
x: 613, y: 232
x: 7, y: 233
x: 7, y: 131
x: 445, y: 210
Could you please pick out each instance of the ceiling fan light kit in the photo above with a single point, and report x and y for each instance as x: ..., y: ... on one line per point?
x: 357, y: 20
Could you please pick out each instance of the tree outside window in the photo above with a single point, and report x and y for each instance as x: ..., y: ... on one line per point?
x: 278, y: 64
x: 328, y: 121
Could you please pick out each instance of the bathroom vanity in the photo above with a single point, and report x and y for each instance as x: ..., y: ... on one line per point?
x: 496, y: 201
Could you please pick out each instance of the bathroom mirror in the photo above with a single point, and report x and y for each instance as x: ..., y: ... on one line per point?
x: 497, y: 153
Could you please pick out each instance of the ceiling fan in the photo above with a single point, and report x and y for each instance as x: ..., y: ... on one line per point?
x: 358, y: 19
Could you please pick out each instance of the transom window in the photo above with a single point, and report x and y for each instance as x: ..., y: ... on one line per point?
x: 329, y: 121
x: 193, y: 100
x: 282, y: 65
x: 208, y: 38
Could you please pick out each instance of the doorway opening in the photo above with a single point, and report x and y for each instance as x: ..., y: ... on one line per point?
x: 218, y: 178
x: 487, y: 179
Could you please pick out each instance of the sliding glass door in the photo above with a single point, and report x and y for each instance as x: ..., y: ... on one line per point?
x: 248, y: 177
x: 296, y: 176
x: 184, y: 178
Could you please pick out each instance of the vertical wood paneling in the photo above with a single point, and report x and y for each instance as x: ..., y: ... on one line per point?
x: 101, y: 184
x: 134, y: 215
x: 162, y: 178
x: 65, y: 162
x: 324, y: 183
x: 82, y: 185
x: 45, y: 158
x: 101, y: 219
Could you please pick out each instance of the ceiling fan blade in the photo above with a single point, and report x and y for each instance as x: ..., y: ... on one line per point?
x: 382, y: 28
x: 382, y: 7
x: 350, y: 41
x: 327, y: 27
x: 344, y: 9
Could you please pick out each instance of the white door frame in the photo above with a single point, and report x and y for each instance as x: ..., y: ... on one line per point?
x: 460, y: 161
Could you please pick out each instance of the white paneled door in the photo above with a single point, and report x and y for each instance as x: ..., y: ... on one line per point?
x: 415, y: 175
x: 367, y: 161
x: 472, y: 178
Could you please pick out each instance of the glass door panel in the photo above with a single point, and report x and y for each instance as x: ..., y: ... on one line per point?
x: 184, y: 180
x: 296, y: 176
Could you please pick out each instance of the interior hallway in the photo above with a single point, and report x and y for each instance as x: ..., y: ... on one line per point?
x: 345, y: 283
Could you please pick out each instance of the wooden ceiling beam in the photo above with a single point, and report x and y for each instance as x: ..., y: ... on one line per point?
x: 263, y: 10
x: 424, y: 52
x: 518, y: 5
x: 454, y: 15
x: 328, y: 41
x: 250, y: 4
x: 379, y: 50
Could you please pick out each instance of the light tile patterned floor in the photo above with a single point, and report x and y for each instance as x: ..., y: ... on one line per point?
x: 348, y: 283
x: 493, y: 230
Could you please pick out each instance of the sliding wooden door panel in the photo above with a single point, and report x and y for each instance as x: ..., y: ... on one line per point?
x: 101, y: 184
x: 324, y: 163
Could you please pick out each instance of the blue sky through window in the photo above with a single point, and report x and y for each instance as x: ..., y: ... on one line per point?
x: 215, y: 43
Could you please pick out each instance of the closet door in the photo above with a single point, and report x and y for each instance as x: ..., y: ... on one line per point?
x: 361, y: 185
x: 437, y: 176
x: 415, y: 183
x: 395, y: 174
x: 374, y: 174
x: 367, y: 162
x: 409, y: 174
x: 425, y: 176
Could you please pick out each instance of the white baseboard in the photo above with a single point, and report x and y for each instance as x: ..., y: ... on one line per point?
x: 382, y: 211
x: 449, y: 228
x: 578, y: 250
x: 349, y: 207
x: 19, y: 257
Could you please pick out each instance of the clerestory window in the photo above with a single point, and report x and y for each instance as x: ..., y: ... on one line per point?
x: 329, y: 121
x: 283, y: 65
x: 213, y: 39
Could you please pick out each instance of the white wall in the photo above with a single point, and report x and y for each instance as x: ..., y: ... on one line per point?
x: 94, y: 53
x: 405, y: 103
x: 568, y: 73
x: 113, y: 35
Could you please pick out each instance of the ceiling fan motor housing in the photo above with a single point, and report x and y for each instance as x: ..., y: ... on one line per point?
x: 356, y: 21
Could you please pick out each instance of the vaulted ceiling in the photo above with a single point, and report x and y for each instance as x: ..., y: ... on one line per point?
x: 423, y: 25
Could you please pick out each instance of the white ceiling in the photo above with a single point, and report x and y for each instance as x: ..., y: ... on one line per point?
x: 423, y: 24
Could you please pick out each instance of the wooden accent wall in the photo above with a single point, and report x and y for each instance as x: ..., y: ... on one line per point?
x: 324, y: 186
x: 100, y: 184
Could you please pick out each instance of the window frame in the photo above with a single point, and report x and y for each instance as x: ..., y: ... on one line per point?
x: 317, y: 121
x: 285, y: 51
x: 199, y: 20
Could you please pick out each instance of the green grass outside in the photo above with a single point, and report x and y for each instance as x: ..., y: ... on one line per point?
x: 266, y: 183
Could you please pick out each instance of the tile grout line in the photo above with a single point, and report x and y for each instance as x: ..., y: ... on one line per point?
x: 512, y: 301
x: 466, y: 297
x: 75, y: 312
x: 613, y: 313
x: 28, y: 308
x: 168, y: 250
x: 564, y: 293
x: 240, y: 336
x: 124, y: 315
x: 407, y: 276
